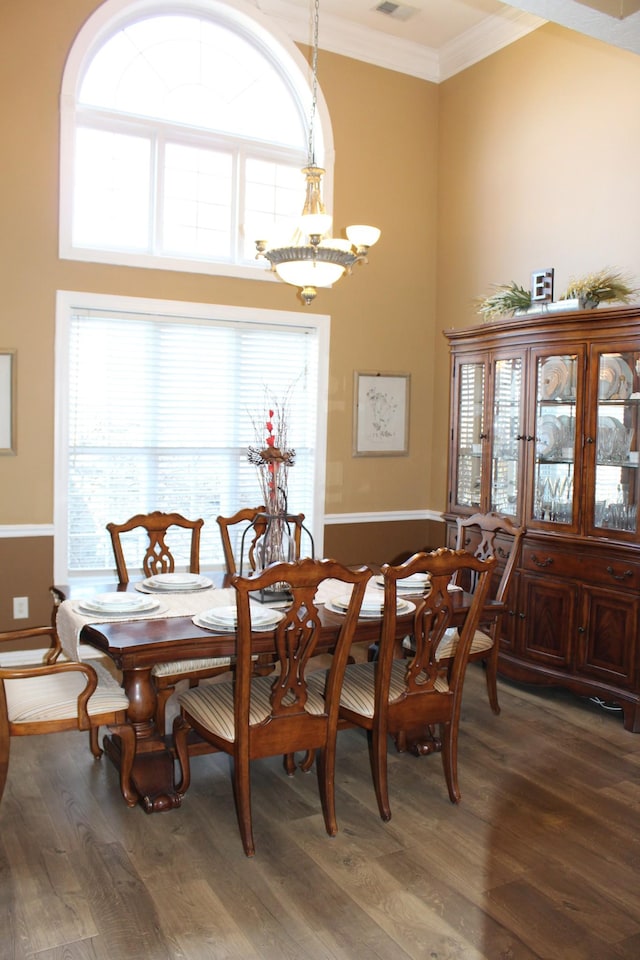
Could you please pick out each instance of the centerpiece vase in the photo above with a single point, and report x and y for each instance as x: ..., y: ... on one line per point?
x: 275, y: 544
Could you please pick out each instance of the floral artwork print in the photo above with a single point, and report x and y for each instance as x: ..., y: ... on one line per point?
x: 381, y: 414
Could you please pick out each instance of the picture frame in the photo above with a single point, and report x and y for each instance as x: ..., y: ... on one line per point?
x: 381, y: 414
x: 7, y: 402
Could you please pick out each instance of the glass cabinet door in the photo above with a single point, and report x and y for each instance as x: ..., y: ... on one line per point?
x: 506, y: 434
x: 555, y: 431
x: 470, y: 427
x: 617, y: 443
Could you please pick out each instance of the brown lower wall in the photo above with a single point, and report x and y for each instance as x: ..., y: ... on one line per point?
x: 26, y: 570
x: 378, y: 543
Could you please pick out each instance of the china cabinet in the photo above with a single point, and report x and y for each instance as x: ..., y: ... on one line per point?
x: 545, y: 428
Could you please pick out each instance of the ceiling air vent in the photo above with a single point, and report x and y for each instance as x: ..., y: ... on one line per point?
x: 399, y: 11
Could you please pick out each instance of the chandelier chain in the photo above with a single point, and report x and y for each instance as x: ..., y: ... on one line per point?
x: 311, y: 152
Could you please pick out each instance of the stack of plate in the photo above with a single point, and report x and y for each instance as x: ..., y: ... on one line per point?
x: 225, y: 618
x: 177, y: 582
x: 117, y: 605
x: 372, y: 606
x: 417, y: 583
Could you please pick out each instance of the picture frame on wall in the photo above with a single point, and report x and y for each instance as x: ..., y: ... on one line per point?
x: 7, y: 401
x: 381, y: 414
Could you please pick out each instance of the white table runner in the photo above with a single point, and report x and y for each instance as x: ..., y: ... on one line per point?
x: 70, y: 621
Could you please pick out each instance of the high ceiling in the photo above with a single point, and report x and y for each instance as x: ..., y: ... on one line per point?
x: 434, y: 39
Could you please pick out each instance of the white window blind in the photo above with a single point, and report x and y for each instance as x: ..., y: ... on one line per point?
x: 159, y: 414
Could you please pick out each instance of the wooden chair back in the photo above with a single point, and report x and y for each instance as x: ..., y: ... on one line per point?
x: 158, y: 557
x: 425, y: 676
x: 254, y: 517
x: 296, y: 641
x: 276, y: 714
x: 491, y: 535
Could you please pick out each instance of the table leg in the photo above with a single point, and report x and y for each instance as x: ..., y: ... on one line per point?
x: 152, y: 774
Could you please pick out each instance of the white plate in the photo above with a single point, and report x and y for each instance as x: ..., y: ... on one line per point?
x: 201, y: 621
x: 402, y: 607
x: 85, y: 608
x: 415, y: 584
x: 549, y: 436
x: 624, y: 385
x: 116, y: 601
x: 616, y: 378
x: 262, y: 618
x: 177, y: 582
x: 554, y: 377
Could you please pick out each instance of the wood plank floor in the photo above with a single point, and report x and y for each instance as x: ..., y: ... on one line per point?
x: 540, y: 860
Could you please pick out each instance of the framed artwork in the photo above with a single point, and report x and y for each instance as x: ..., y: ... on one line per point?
x: 381, y: 414
x: 7, y: 401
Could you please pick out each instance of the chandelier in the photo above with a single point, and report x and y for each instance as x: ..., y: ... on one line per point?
x: 314, y: 258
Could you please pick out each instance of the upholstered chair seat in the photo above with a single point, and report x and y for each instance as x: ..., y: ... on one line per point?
x: 55, y: 696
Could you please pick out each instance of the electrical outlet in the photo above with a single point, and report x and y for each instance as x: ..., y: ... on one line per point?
x: 20, y: 608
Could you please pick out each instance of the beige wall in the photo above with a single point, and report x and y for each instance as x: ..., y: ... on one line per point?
x: 526, y: 160
x: 538, y: 167
x: 382, y: 317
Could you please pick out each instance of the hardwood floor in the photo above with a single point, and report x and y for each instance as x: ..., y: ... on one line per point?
x: 540, y: 860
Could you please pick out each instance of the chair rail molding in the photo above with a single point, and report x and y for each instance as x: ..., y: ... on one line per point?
x: 382, y: 516
x: 14, y: 531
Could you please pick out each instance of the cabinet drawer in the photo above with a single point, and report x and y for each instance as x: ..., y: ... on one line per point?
x: 605, y: 571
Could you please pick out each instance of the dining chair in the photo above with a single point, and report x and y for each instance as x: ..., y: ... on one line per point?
x: 487, y: 535
x: 60, y: 695
x: 262, y: 716
x: 159, y: 559
x: 246, y: 537
x: 410, y: 697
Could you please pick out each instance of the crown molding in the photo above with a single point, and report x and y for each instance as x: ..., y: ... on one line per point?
x: 340, y: 36
x: 489, y: 36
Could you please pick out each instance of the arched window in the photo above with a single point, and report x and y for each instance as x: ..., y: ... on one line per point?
x: 184, y: 130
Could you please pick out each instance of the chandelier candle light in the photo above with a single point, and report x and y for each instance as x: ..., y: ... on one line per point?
x: 313, y: 258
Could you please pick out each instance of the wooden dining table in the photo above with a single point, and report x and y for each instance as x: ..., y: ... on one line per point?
x: 136, y: 646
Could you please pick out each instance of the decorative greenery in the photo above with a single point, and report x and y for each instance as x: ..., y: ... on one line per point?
x: 506, y: 299
x: 604, y: 285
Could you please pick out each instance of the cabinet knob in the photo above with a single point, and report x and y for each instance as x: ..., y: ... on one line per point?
x: 581, y: 630
x: 522, y: 616
x: 588, y: 439
x: 530, y: 437
x: 484, y: 436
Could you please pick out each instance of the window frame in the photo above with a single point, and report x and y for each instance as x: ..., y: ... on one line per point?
x: 71, y: 302
x: 259, y: 29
